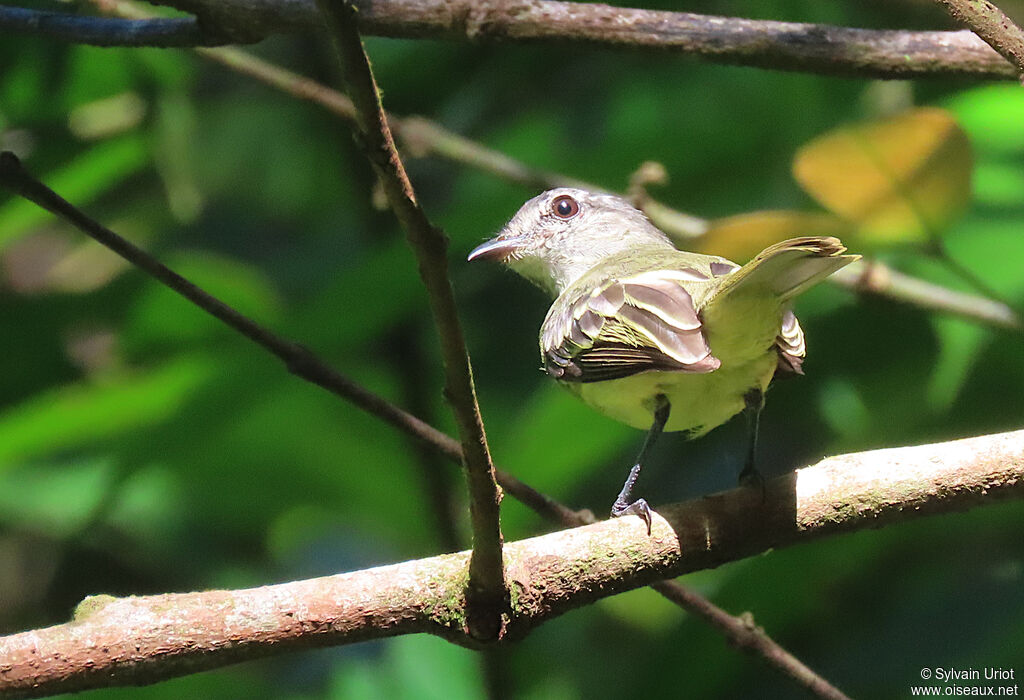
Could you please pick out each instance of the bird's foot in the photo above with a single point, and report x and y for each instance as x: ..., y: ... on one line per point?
x: 638, y: 507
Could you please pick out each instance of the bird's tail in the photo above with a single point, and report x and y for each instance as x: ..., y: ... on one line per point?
x: 791, y: 267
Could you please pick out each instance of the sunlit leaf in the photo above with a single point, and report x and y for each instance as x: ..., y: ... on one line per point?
x: 903, y: 178
x: 743, y: 236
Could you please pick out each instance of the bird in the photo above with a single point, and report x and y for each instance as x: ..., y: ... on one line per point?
x: 653, y: 336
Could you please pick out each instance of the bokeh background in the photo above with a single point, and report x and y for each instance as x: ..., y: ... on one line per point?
x: 144, y: 448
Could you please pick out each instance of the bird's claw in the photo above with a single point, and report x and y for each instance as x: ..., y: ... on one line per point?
x: 638, y: 507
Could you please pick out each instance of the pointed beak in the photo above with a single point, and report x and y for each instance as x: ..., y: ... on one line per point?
x: 495, y: 249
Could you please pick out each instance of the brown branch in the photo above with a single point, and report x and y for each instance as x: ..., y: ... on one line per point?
x: 487, y: 585
x: 812, y: 48
x: 142, y: 640
x: 310, y: 368
x: 873, y: 277
x: 743, y: 634
x: 991, y: 24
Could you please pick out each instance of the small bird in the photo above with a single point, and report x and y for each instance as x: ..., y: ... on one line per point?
x: 658, y: 338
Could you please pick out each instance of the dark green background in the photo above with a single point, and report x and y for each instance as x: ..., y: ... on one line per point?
x: 180, y: 457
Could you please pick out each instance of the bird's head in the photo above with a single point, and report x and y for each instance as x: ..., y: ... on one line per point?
x: 560, y: 234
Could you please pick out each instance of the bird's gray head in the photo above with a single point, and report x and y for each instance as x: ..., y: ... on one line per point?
x: 560, y: 234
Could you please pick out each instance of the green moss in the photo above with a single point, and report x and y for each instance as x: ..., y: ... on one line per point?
x: 91, y: 605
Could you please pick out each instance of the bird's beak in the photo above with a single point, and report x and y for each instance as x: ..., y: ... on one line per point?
x: 495, y: 249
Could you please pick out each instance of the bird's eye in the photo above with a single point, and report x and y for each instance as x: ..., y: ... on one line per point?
x: 565, y: 207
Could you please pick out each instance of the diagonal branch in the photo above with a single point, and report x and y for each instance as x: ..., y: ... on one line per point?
x: 307, y: 366
x: 793, y: 46
x: 877, y: 278
x: 991, y: 24
x: 141, y: 640
x: 486, y: 582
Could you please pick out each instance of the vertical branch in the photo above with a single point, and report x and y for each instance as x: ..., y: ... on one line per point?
x: 993, y: 26
x: 486, y: 595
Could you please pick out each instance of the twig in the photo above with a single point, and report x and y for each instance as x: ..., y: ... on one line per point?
x: 107, y: 31
x: 812, y: 48
x: 743, y: 634
x: 488, y: 594
x: 141, y: 640
x: 991, y: 24
x: 873, y: 277
x: 308, y: 367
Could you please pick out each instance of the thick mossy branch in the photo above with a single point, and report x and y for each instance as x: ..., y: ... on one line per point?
x: 145, y: 639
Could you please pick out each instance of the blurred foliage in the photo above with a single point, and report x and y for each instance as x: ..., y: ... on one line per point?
x: 145, y: 448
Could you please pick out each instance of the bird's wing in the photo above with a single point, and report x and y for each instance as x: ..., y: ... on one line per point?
x: 624, y: 326
x: 790, y: 345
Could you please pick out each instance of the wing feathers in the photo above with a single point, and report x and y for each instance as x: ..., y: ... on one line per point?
x: 667, y: 300
x: 625, y: 327
x: 790, y: 345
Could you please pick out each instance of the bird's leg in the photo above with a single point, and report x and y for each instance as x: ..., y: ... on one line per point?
x: 754, y: 400
x: 622, y: 505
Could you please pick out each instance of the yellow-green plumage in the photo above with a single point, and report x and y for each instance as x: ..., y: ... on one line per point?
x: 740, y: 312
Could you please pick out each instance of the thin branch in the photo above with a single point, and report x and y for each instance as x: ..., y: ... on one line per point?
x: 873, y: 277
x: 793, y: 46
x: 487, y: 585
x: 744, y: 634
x: 308, y: 367
x: 991, y: 24
x: 141, y: 640
x: 106, y: 31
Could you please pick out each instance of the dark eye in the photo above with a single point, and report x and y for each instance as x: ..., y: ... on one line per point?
x: 565, y: 207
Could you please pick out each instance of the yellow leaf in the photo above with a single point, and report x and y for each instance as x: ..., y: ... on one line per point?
x: 903, y: 178
x: 743, y: 236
